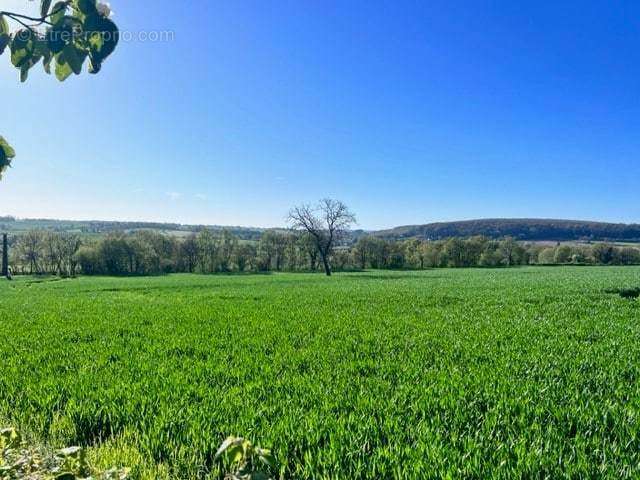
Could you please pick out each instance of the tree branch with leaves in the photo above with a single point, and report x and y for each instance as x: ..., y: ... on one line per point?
x: 63, y: 37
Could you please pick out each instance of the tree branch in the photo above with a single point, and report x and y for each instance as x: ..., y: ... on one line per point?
x: 40, y: 20
x: 16, y: 17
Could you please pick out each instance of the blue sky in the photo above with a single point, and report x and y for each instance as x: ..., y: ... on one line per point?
x: 410, y: 112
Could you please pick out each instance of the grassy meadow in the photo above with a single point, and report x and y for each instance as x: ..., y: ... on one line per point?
x: 510, y: 373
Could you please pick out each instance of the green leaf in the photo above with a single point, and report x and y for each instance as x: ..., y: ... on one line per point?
x: 5, y: 38
x: 4, y: 41
x: 58, y: 12
x: 22, y: 48
x: 4, y: 26
x: 228, y: 443
x: 233, y: 449
x: 24, y: 72
x: 45, y: 5
x: 235, y: 453
x: 94, y: 65
x: 54, y: 40
x: 9, y: 153
x: 46, y: 61
x: 87, y: 7
x: 74, y: 57
x: 95, y: 40
x: 4, y: 163
x: 42, y: 48
x: 26, y: 51
x: 63, y: 69
x: 267, y: 458
x: 103, y: 37
x: 62, y: 34
x: 9, y: 437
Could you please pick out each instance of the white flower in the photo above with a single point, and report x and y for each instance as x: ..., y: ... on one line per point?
x: 104, y: 9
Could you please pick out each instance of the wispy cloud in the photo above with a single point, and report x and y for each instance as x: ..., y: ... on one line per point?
x: 200, y: 196
x: 174, y: 195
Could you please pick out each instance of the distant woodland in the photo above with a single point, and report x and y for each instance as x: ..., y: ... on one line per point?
x: 521, y: 229
x: 532, y: 230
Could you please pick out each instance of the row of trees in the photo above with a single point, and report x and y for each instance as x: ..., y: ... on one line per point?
x: 151, y: 253
x: 478, y: 251
x: 38, y: 252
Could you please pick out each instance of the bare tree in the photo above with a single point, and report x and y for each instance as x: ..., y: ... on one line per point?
x: 326, y: 224
x: 30, y: 248
x: 68, y: 246
x: 51, y: 246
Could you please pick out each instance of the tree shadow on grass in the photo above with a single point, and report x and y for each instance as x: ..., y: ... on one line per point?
x: 628, y: 293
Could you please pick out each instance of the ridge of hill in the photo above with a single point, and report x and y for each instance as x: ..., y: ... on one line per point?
x: 102, y: 227
x: 525, y: 229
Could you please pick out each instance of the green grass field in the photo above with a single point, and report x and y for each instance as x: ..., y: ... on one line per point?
x: 514, y: 373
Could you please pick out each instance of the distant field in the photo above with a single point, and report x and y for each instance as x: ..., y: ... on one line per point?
x: 513, y: 373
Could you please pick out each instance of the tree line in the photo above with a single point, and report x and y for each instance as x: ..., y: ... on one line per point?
x: 479, y: 251
x: 152, y: 253
x: 521, y: 229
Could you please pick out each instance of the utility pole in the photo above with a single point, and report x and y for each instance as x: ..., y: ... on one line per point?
x: 5, y: 255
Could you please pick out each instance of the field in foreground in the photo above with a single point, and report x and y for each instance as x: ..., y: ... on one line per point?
x: 515, y: 373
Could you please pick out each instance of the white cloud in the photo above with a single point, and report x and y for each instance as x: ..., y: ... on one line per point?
x: 200, y: 196
x: 174, y: 195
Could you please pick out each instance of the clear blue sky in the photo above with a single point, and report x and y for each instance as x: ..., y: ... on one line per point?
x: 408, y: 111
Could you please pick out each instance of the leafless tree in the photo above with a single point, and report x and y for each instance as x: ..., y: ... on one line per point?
x: 68, y: 246
x: 326, y: 224
x: 52, y: 258
x: 30, y: 248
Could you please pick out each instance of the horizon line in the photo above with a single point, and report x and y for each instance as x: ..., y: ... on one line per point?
x: 247, y: 227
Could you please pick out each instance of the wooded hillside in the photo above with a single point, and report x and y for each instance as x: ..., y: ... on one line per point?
x: 520, y: 229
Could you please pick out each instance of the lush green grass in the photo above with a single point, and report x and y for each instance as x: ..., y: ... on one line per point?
x: 516, y: 373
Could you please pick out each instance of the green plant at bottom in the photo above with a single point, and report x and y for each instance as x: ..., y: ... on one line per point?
x: 247, y: 461
x: 20, y: 460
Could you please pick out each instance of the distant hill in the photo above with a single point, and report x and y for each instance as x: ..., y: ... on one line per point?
x: 99, y: 227
x: 520, y: 229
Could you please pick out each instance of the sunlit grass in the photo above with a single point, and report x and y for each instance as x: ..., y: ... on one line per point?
x: 523, y: 373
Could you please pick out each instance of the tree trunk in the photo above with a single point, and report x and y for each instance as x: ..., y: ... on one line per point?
x: 5, y: 256
x: 325, y: 262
